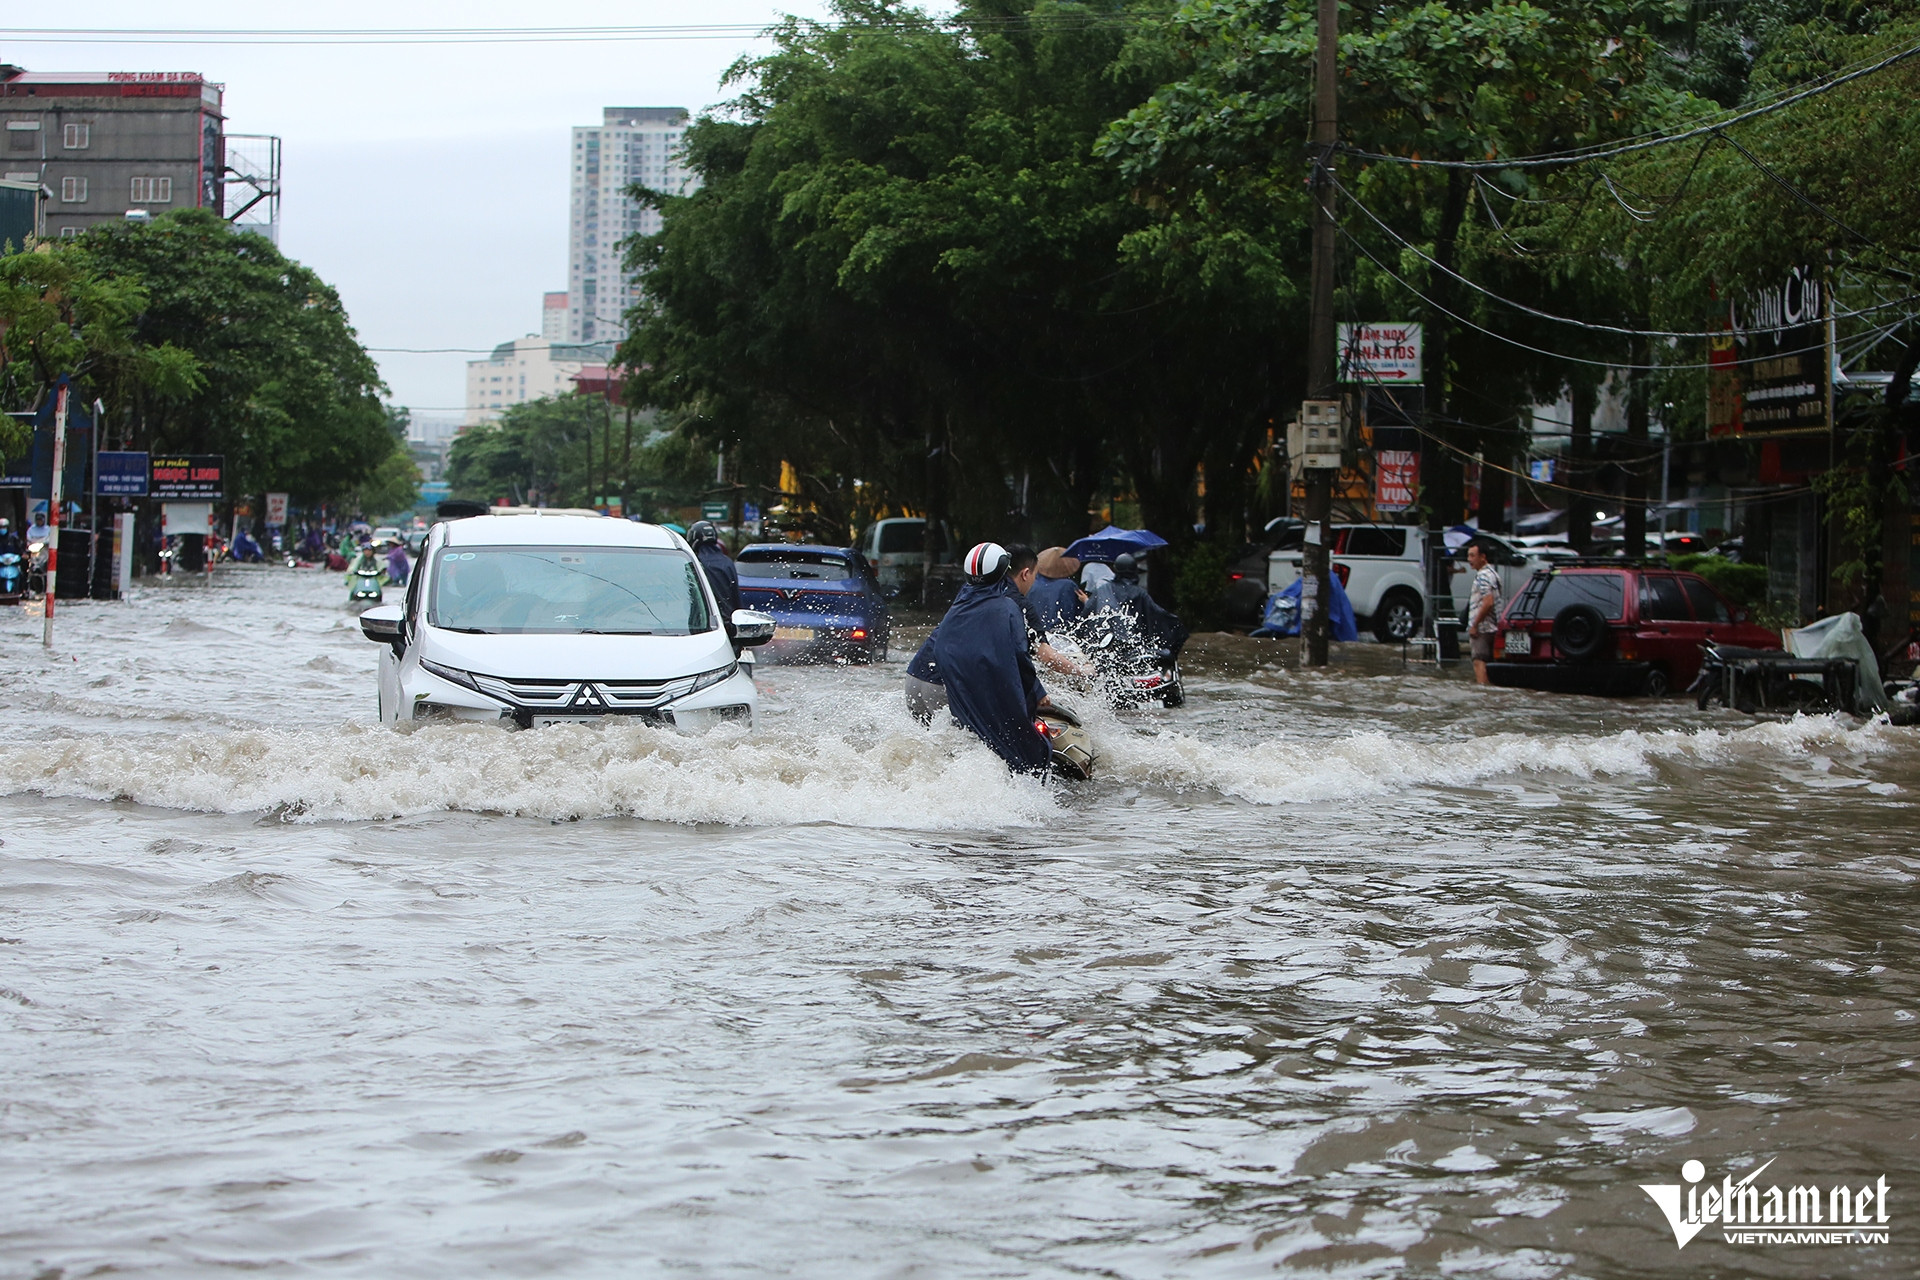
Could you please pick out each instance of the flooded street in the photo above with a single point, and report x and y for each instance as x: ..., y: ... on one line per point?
x: 1368, y: 973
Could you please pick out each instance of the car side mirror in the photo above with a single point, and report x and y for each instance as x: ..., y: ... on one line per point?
x: 383, y: 624
x: 750, y: 627
x: 1740, y: 615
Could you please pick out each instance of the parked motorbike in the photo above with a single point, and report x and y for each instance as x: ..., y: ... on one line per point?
x: 13, y: 577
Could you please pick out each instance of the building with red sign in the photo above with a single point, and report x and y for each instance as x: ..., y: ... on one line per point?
x: 104, y: 144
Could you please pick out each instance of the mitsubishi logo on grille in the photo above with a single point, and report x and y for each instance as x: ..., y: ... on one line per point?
x: 588, y: 697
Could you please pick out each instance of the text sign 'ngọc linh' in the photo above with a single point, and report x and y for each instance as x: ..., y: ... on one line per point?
x: 121, y: 474
x: 187, y: 476
x: 1380, y: 353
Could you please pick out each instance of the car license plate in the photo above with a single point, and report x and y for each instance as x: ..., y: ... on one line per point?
x: 1519, y: 642
x: 547, y: 722
x: 793, y: 633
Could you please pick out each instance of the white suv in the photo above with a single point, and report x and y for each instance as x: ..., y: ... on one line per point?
x: 537, y: 619
x: 1384, y: 575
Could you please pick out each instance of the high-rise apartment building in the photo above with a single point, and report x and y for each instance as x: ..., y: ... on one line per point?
x: 631, y: 145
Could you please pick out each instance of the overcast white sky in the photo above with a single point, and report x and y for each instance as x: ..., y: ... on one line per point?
x: 427, y: 182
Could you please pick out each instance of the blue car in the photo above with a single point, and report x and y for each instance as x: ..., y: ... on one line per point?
x: 825, y: 601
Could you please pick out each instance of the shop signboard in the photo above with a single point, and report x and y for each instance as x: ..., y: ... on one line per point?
x: 122, y: 474
x: 187, y: 477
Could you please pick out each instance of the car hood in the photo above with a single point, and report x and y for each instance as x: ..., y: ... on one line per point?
x: 578, y: 657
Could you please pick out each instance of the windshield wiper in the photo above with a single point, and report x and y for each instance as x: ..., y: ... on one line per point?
x: 469, y: 631
x: 595, y: 631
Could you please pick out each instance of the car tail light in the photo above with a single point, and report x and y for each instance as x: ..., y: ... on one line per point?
x: 1345, y: 571
x: 1628, y: 649
x: 1236, y: 576
x: 859, y: 633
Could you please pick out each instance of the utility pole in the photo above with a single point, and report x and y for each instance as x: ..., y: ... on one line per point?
x: 54, y: 498
x: 1316, y: 591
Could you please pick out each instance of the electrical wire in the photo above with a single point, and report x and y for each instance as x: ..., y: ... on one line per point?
x: 1557, y: 355
x: 1581, y: 324
x: 525, y: 35
x: 1603, y: 151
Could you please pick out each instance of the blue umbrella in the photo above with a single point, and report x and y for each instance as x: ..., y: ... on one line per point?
x: 1110, y: 543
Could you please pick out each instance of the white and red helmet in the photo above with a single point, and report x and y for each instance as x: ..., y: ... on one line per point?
x: 986, y: 564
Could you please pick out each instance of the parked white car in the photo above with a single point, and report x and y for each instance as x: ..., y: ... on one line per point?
x: 533, y: 619
x: 1385, y: 575
x: 1516, y: 566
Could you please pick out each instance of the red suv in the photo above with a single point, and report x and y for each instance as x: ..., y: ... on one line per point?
x: 1625, y: 630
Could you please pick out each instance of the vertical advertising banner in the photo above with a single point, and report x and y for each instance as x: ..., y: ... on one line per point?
x: 277, y: 510
x: 1770, y: 375
x: 1396, y: 478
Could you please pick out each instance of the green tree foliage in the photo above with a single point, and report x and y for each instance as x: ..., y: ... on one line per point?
x: 554, y: 451
x: 60, y: 314
x: 906, y: 267
x: 285, y: 389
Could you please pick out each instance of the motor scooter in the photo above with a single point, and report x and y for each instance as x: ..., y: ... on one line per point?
x: 363, y: 583
x: 13, y: 577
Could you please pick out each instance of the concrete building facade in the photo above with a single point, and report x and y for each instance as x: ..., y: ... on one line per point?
x: 104, y: 143
x: 631, y: 145
x: 553, y: 317
x: 525, y: 369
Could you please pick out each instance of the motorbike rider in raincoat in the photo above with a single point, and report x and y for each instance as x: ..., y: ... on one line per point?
x: 1124, y: 594
x: 721, y: 573
x: 980, y: 653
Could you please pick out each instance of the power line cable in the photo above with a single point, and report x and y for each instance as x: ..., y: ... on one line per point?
x: 1558, y: 319
x: 1557, y: 355
x: 1603, y: 151
x: 528, y: 34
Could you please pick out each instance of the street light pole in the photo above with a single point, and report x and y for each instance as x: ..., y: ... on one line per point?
x: 1316, y: 591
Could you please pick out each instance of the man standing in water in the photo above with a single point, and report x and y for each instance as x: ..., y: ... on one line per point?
x: 705, y: 540
x: 1481, y: 607
x: 980, y: 653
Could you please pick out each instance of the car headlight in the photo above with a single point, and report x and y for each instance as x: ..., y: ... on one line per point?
x: 450, y: 675
x: 708, y: 679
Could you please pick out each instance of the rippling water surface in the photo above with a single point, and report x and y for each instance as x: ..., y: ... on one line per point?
x: 1367, y: 973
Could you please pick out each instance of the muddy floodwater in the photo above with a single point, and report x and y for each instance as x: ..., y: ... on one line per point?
x: 1369, y: 973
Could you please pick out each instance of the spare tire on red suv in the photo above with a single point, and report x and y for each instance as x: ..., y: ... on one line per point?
x: 1580, y: 632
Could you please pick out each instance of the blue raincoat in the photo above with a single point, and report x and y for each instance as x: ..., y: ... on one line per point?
x: 1055, y: 600
x: 980, y: 654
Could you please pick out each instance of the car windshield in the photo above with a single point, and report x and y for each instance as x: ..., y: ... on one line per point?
x: 816, y: 570
x: 632, y: 591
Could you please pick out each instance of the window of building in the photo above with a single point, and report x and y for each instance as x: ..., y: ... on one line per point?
x: 73, y: 190
x: 68, y: 233
x: 22, y: 134
x: 153, y: 190
x: 77, y: 137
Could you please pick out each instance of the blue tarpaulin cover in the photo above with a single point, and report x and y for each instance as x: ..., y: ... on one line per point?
x: 1283, y: 612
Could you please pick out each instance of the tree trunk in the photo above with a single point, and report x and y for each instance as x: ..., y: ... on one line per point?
x: 1634, y: 506
x: 1586, y: 398
x: 1442, y: 478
